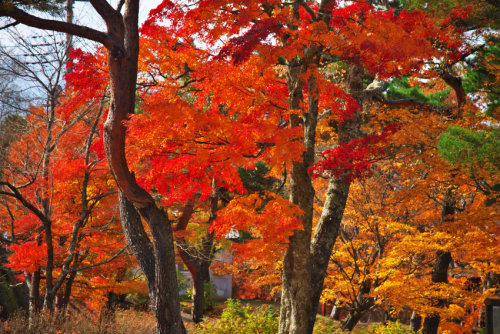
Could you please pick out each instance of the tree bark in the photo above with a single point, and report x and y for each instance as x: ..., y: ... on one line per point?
x: 198, y: 262
x: 415, y: 322
x: 335, y: 314
x: 305, y: 261
x: 67, y: 291
x: 336, y: 198
x: 439, y: 275
x: 138, y: 241
x: 352, y: 320
x: 33, y: 282
x: 362, y: 306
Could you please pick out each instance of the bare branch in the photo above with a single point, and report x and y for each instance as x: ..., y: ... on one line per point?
x: 97, y: 264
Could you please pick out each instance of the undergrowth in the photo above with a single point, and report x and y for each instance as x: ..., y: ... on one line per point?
x: 125, y: 322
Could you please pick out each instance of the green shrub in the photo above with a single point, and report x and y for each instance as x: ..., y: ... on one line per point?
x: 394, y: 328
x: 237, y: 319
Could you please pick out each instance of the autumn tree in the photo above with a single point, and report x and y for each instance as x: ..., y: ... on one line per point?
x: 122, y: 47
x: 306, y: 37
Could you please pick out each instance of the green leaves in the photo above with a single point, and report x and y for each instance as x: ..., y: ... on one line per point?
x: 468, y: 147
x: 401, y: 89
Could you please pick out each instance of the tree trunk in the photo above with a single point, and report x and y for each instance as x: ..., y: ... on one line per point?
x: 335, y: 315
x: 415, y: 322
x: 33, y: 282
x: 306, y: 261
x: 352, y: 320
x: 441, y: 265
x: 107, y: 312
x: 166, y: 299
x: 121, y: 41
x: 336, y: 199
x: 138, y: 241
x: 67, y: 291
x: 439, y: 275
x: 286, y: 303
x: 363, y: 305
x: 431, y: 324
x: 197, y: 305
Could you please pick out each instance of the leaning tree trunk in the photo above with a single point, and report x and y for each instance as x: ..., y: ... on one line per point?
x: 362, y: 306
x: 138, y: 241
x: 122, y: 55
x: 352, y: 320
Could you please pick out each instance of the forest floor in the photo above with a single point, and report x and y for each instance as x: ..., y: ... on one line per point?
x: 323, y: 324
x: 137, y: 322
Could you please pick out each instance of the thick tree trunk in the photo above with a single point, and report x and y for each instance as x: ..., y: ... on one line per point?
x: 166, y: 302
x: 305, y: 262
x: 431, y: 324
x: 138, y: 241
x: 121, y: 41
x: 297, y: 275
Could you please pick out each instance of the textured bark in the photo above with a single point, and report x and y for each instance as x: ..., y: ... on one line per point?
x: 138, y: 241
x: 298, y: 274
x: 305, y: 262
x: 328, y: 227
x: 166, y: 296
x: 360, y: 307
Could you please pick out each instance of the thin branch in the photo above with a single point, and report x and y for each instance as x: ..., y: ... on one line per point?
x: 97, y: 264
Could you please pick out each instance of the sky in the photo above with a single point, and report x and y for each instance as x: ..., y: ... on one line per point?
x: 84, y: 14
